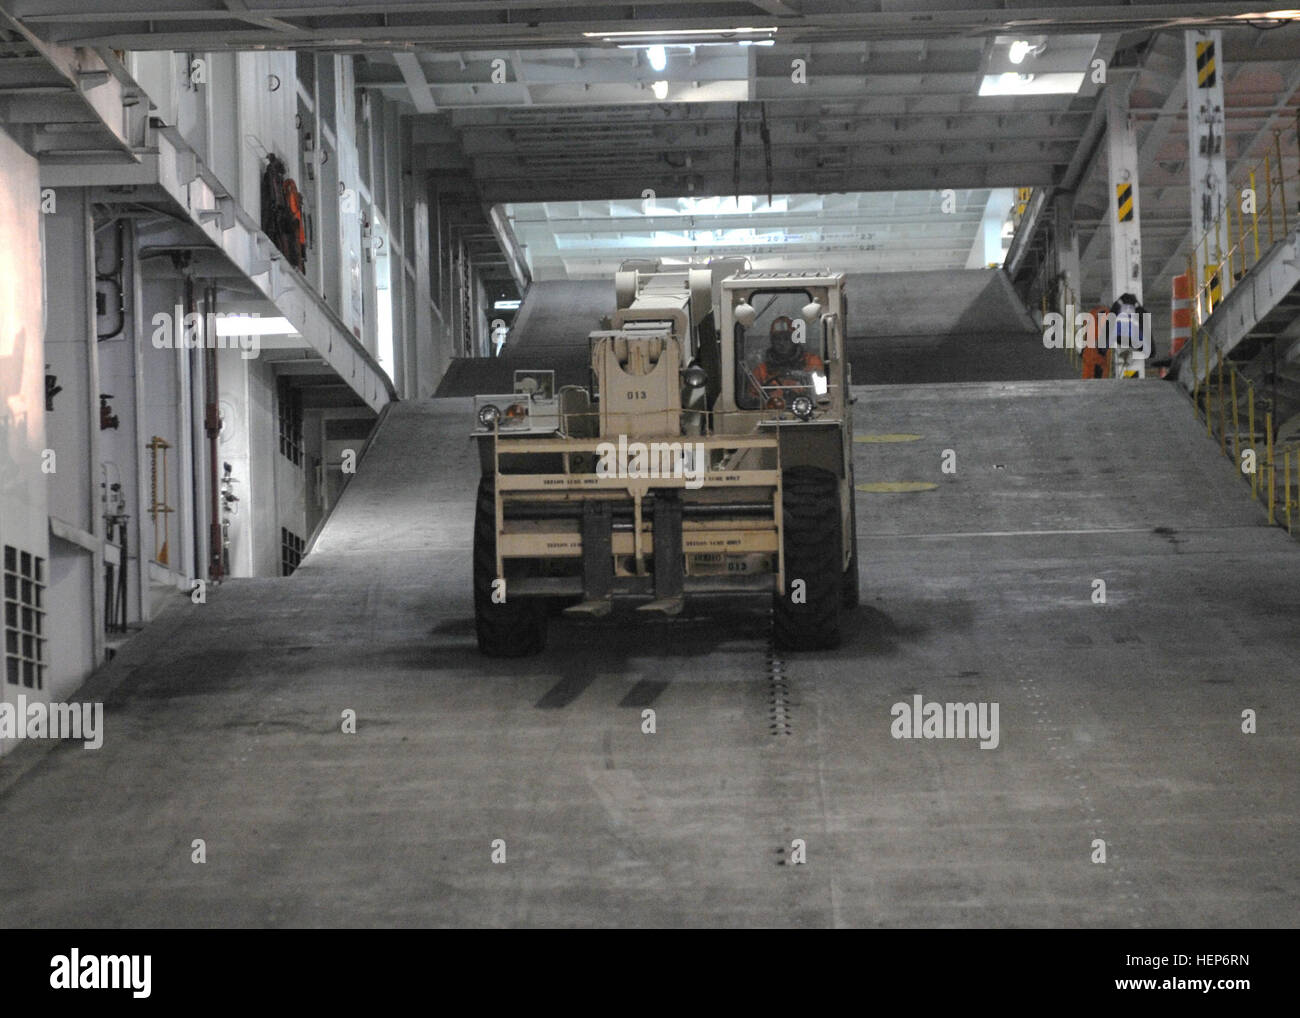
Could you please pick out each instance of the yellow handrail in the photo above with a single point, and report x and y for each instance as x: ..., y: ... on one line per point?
x: 1236, y: 423
x: 1223, y: 427
x: 1254, y: 474
x: 1268, y: 438
x: 1221, y: 264
x: 1263, y: 458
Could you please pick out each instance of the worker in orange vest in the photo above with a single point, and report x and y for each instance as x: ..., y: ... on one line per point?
x: 785, y: 369
x: 1096, y: 355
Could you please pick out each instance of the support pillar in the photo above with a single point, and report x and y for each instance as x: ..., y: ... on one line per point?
x: 1125, y: 212
x: 1207, y: 164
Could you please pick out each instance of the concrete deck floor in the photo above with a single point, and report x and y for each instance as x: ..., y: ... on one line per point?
x: 1119, y: 722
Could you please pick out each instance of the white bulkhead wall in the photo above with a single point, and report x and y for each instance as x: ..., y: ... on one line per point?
x: 24, y: 523
x: 360, y: 181
x: 74, y: 596
x: 233, y: 108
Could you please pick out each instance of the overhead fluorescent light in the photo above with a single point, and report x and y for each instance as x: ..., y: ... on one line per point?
x: 680, y: 33
x: 252, y: 325
x: 506, y: 305
x: 657, y: 56
x: 695, y: 44
x: 1053, y: 83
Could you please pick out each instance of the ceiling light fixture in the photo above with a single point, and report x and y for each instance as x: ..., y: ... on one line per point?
x: 689, y: 34
x: 658, y: 57
x: 1022, y: 48
x: 1013, y: 83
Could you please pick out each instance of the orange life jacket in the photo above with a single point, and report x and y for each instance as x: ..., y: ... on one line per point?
x: 294, y: 198
x: 1096, y: 359
x: 769, y: 376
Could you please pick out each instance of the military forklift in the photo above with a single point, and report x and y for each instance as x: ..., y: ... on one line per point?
x: 710, y: 455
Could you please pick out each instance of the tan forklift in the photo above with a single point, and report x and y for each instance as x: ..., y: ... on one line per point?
x: 711, y: 455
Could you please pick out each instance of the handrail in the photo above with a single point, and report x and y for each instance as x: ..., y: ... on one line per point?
x: 1223, y: 396
x: 1268, y: 217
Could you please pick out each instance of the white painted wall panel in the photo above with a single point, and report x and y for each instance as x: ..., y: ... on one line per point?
x: 23, y: 520
x: 74, y: 600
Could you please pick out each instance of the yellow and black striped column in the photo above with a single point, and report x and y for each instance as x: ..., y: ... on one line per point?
x: 1205, y: 58
x: 1207, y: 169
x: 1124, y: 202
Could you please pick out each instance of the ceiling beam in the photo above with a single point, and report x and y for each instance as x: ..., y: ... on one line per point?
x: 777, y: 7
x: 622, y: 185
x: 477, y: 24
x: 417, y: 85
x: 921, y: 221
x: 517, y: 65
x: 240, y: 10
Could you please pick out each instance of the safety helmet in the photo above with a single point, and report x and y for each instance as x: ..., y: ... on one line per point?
x: 783, y: 324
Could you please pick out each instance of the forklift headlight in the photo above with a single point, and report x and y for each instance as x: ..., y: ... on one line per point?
x: 694, y: 377
x: 802, y: 407
x: 489, y: 415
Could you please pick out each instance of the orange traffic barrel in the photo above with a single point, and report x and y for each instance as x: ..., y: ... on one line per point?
x: 1180, y: 324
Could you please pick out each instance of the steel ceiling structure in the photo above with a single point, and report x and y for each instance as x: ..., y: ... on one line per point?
x: 449, y: 25
x: 586, y: 125
x: 541, y: 103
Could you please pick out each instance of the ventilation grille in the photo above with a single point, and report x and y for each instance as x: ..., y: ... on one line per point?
x: 289, y: 402
x: 24, y: 613
x: 290, y: 551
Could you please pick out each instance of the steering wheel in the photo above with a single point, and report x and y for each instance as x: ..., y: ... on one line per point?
x: 776, y: 401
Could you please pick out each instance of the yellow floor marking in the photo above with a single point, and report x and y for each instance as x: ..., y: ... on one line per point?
x: 876, y: 439
x: 884, y: 487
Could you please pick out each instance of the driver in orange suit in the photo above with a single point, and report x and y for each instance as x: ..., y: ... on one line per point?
x: 785, y: 366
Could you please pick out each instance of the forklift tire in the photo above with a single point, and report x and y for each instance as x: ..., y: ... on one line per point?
x: 517, y: 626
x: 849, y: 588
x: 808, y: 617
